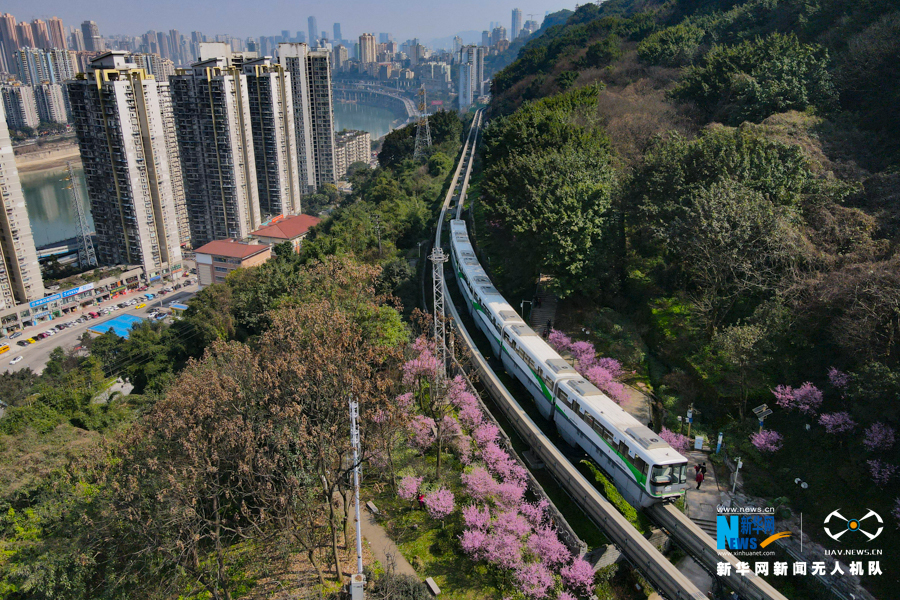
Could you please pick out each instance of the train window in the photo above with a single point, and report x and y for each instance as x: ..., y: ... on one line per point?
x: 589, y: 420
x: 506, y: 336
x: 565, y: 399
x: 623, y: 448
x: 639, y: 463
x: 662, y: 475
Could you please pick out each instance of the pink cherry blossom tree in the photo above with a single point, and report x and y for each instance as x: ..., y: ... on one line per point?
x: 439, y: 503
x: 879, y: 436
x: 838, y: 379
x: 409, y: 487
x: 544, y: 543
x: 766, y: 440
x: 807, y: 398
x: 838, y: 422
x: 680, y: 443
x: 881, y: 472
x: 480, y: 484
x: 579, y: 576
x: 477, y: 517
x: 535, y: 580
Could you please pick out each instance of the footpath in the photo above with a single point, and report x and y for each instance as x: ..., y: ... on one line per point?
x: 384, y: 549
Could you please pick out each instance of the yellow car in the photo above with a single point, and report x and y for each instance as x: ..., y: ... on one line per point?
x: 141, y: 305
x: 31, y: 341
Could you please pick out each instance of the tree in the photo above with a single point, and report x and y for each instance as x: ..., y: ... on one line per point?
x: 740, y: 347
x: 671, y: 47
x: 759, y: 77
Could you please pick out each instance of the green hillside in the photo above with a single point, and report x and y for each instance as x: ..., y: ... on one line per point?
x: 719, y: 181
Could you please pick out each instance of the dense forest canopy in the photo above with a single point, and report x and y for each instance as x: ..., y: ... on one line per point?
x: 739, y: 214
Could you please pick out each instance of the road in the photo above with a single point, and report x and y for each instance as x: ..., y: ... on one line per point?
x: 35, y: 356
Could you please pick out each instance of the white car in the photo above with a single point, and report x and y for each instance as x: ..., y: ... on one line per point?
x: 15, y: 360
x: 50, y: 332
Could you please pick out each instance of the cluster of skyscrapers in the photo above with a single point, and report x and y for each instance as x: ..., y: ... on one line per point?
x: 222, y: 146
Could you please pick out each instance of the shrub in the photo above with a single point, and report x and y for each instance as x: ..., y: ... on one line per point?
x: 671, y: 47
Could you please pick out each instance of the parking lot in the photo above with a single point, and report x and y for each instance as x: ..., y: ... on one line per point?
x: 66, y: 331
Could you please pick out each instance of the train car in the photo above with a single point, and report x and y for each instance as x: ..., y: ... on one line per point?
x: 646, y: 469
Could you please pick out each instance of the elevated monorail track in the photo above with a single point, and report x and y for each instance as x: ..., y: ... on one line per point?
x: 640, y: 552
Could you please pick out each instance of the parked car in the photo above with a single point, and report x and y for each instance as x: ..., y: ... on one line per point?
x: 15, y: 360
x: 177, y: 286
x: 31, y: 340
x: 50, y: 332
x: 141, y: 305
x: 14, y: 335
x: 22, y: 342
x: 186, y: 274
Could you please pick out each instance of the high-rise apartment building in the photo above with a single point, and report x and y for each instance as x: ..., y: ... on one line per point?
x: 176, y: 176
x: 321, y: 109
x: 293, y: 57
x: 339, y: 57
x: 20, y: 106
x: 350, y: 147
x: 499, y: 33
x: 117, y: 110
x: 57, y: 33
x: 486, y: 39
x: 34, y: 65
x: 531, y: 26
x: 337, y: 32
x: 366, y: 49
x: 20, y: 273
x: 212, y: 117
x: 384, y: 38
x: 76, y: 40
x: 471, y: 75
x: 51, y: 103
x: 313, y: 28
x: 274, y: 137
x: 25, y: 35
x: 154, y: 64
x: 516, y: 23
x: 41, y: 33
x: 91, y: 34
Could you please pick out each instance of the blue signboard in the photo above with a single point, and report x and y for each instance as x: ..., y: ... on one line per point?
x: 155, y: 277
x: 43, y: 301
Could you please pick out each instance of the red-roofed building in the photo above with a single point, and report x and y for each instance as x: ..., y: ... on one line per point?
x: 290, y: 229
x: 217, y: 259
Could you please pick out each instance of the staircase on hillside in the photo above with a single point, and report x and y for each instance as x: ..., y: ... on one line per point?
x: 543, y: 309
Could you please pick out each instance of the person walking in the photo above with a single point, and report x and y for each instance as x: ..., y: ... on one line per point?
x: 421, y: 499
x: 699, y: 478
x: 703, y: 469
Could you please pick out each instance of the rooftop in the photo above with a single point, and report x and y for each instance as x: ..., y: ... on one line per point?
x: 231, y: 248
x: 288, y: 228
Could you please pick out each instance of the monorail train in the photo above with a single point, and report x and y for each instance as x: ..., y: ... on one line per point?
x: 646, y: 470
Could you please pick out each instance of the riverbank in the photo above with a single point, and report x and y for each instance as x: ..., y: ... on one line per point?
x: 51, y: 157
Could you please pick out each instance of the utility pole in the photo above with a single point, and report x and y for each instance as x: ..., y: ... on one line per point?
x: 86, y: 256
x: 423, y: 131
x: 358, y: 581
x: 438, y: 258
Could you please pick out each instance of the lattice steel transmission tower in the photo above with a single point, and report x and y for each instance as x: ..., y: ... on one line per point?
x: 438, y: 258
x: 423, y: 131
x: 86, y: 255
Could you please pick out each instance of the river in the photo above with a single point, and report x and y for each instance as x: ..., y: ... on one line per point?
x: 49, y: 204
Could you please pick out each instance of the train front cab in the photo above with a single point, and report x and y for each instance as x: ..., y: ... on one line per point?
x: 667, y: 481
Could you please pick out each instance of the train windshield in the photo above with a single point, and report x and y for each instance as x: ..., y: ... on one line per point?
x: 669, y: 474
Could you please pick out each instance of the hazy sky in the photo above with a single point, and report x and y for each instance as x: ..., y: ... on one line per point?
x: 426, y: 19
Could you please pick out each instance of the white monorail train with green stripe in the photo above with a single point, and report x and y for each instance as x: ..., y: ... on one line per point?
x: 645, y: 468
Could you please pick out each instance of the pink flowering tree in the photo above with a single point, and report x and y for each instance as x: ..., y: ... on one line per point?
x: 680, y: 443
x: 559, y: 341
x: 535, y: 580
x: 838, y: 379
x: 544, y: 544
x: 440, y: 503
x: 838, y: 422
x: 807, y: 398
x: 879, y: 436
x: 881, y: 472
x: 480, y: 484
x: 579, y: 576
x: 409, y: 487
x: 422, y: 373
x: 766, y: 441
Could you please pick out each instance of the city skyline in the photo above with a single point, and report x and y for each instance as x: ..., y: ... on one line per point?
x: 356, y: 17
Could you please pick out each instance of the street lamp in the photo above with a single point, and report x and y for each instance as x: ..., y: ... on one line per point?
x: 801, y: 483
x: 739, y: 465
